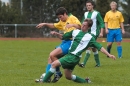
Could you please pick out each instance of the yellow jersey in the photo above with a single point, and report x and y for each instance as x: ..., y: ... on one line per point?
x: 113, y: 19
x: 71, y: 20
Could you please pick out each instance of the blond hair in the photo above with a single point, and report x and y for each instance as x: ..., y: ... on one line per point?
x: 113, y: 2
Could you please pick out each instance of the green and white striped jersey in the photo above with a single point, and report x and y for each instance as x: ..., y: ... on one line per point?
x: 97, y: 22
x: 80, y: 41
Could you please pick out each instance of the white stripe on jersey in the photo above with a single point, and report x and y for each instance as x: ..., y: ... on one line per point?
x: 75, y: 32
x: 93, y: 17
x: 83, y: 43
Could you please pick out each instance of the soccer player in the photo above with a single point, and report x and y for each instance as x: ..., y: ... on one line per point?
x: 96, y: 30
x: 81, y: 40
x: 67, y: 23
x: 114, y: 26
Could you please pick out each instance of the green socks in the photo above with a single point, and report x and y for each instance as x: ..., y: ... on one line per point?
x: 49, y: 74
x: 86, y: 58
x: 78, y: 79
x: 96, y: 56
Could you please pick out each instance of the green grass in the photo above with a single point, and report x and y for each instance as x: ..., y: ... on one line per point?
x: 21, y: 62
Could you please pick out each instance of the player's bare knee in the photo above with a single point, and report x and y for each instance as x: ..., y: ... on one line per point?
x: 52, y: 55
x: 94, y: 49
x: 55, y: 64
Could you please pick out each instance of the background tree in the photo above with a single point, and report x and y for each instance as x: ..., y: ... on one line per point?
x: 76, y: 7
x: 103, y: 6
x: 126, y: 9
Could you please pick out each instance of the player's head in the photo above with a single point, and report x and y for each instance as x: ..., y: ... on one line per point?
x: 62, y: 13
x: 86, y: 24
x: 113, y: 5
x: 90, y: 5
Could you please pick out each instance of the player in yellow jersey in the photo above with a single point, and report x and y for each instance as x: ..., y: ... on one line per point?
x: 67, y: 23
x: 114, y: 28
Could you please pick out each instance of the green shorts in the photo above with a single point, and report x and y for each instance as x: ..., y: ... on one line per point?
x: 69, y: 61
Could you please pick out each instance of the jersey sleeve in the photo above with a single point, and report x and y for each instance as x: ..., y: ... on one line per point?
x: 67, y: 35
x: 121, y: 18
x: 95, y: 44
x: 106, y: 17
x: 58, y: 25
x: 100, y: 20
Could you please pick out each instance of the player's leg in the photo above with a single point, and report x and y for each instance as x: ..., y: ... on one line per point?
x: 48, y: 65
x: 118, y: 39
x: 53, y: 57
x: 64, y: 48
x: 51, y: 71
x: 110, y: 39
x: 68, y: 63
x: 69, y: 76
x: 88, y: 52
x: 96, y: 57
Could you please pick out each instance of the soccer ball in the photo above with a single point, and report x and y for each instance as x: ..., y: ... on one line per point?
x: 42, y: 76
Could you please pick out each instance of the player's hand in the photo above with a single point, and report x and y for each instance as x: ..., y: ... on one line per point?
x: 123, y: 31
x: 100, y: 35
x: 53, y: 33
x: 69, y: 25
x: 40, y: 25
x: 107, y: 31
x: 113, y: 57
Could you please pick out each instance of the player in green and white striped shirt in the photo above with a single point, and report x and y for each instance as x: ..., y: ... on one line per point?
x: 81, y: 40
x: 96, y: 30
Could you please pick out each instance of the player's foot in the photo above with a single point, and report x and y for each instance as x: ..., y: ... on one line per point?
x: 56, y: 78
x: 38, y: 80
x: 81, y: 65
x: 88, y: 80
x: 41, y: 80
x: 97, y: 65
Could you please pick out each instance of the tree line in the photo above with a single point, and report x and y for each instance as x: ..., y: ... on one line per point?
x: 36, y: 11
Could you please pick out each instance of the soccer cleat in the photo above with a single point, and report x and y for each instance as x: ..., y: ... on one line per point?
x: 81, y: 65
x: 41, y: 80
x: 56, y: 78
x: 97, y: 65
x: 88, y: 80
x: 38, y: 80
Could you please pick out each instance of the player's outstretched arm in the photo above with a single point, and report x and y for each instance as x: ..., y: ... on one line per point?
x: 50, y: 25
x: 103, y: 50
x: 56, y: 34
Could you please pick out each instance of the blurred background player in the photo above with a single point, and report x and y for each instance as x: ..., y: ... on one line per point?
x: 81, y: 40
x: 96, y: 30
x: 114, y: 26
x: 67, y: 23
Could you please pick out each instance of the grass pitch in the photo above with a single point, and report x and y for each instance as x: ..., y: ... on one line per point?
x: 22, y: 61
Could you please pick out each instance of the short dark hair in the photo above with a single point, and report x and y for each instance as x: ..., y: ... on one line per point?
x: 61, y: 11
x: 92, y: 2
x: 90, y: 22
